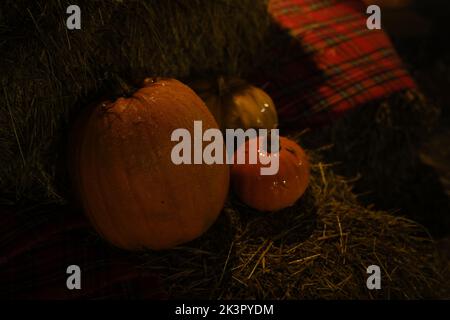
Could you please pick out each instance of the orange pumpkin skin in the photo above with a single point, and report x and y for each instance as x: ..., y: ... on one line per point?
x: 121, y: 167
x: 272, y: 192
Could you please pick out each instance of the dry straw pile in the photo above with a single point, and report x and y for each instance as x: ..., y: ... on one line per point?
x: 320, y: 248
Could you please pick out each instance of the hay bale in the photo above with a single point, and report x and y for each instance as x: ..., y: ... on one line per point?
x: 379, y: 144
x: 48, y: 72
x: 320, y: 248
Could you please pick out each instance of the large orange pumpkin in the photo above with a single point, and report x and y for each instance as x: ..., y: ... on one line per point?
x: 272, y: 192
x: 122, y: 170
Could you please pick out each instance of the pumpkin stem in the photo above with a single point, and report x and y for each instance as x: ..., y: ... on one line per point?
x: 221, y: 86
x: 121, y: 87
x: 269, y: 147
x: 226, y: 85
x: 269, y: 142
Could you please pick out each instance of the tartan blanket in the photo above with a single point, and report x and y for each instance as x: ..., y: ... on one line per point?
x: 333, y: 63
x: 38, y: 245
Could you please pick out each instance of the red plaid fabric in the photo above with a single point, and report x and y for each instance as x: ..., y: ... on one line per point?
x: 37, y: 247
x: 334, y: 64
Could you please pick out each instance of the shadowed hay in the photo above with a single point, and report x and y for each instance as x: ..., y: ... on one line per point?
x: 379, y: 143
x: 320, y: 248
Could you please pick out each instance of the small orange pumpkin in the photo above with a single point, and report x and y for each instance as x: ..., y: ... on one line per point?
x: 272, y: 192
x: 132, y: 192
x: 237, y: 104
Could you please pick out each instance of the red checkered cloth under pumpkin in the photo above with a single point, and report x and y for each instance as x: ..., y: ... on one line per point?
x: 333, y: 63
x: 37, y: 246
